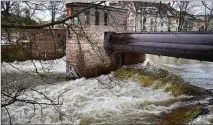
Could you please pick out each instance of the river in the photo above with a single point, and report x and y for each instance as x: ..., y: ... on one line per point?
x: 196, y: 72
x: 105, y: 100
x: 199, y: 73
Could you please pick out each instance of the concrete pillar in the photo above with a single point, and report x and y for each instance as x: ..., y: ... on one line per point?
x: 130, y: 58
x: 86, y: 60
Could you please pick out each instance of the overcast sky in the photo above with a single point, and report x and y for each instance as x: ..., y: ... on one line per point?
x: 198, y: 10
x: 46, y: 15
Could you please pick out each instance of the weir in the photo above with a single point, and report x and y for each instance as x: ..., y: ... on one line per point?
x: 189, y: 45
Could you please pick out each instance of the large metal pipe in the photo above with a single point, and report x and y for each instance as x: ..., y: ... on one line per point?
x: 188, y: 45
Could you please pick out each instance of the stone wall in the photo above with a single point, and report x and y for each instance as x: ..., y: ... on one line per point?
x: 85, y: 52
x: 84, y: 49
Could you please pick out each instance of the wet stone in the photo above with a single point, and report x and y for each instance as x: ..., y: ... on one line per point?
x: 183, y: 115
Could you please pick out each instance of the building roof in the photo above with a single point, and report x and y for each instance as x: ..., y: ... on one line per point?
x: 162, y: 6
x: 81, y: 4
x: 202, y: 17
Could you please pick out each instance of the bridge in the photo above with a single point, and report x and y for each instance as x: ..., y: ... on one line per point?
x: 189, y: 45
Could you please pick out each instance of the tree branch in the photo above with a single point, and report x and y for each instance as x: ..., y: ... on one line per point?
x: 10, y: 25
x: 204, y: 4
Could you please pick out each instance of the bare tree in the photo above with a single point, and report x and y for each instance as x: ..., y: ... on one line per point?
x: 208, y: 15
x: 12, y: 20
x: 13, y: 14
x: 55, y: 8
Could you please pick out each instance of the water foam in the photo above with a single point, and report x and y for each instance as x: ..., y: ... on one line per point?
x: 87, y: 98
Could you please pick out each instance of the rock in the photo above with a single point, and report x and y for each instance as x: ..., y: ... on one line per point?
x: 161, y: 79
x: 182, y: 115
x: 210, y: 101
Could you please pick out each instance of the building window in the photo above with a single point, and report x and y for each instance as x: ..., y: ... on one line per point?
x: 197, y: 25
x: 161, y: 23
x: 105, y: 18
x: 144, y: 23
x: 151, y: 28
x: 76, y: 20
x: 169, y: 30
x: 97, y: 15
x: 69, y: 11
x: 144, y: 20
x: 151, y: 25
x: 87, y: 17
x: 151, y: 21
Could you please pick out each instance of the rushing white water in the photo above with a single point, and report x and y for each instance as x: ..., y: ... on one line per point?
x: 58, y: 65
x: 193, y: 71
x: 87, y: 98
x: 98, y: 100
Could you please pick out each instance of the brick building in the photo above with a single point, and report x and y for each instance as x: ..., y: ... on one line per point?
x: 84, y: 48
